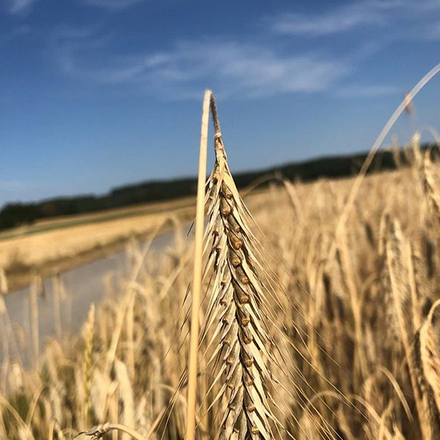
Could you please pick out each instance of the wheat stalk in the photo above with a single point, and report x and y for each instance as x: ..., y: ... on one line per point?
x: 430, y: 351
x: 88, y: 363
x: 398, y: 256
x: 235, y: 329
x: 432, y: 184
x: 343, y: 218
x: 197, y: 272
x: 34, y: 318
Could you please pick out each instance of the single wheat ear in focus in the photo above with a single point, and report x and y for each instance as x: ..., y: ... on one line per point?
x: 235, y: 338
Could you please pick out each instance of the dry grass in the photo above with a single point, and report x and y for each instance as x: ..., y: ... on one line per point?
x: 64, y: 244
x: 309, y: 330
x: 345, y: 369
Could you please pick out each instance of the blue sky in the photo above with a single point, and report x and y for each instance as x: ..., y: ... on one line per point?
x: 99, y: 93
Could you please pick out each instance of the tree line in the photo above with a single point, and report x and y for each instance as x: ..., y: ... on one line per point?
x: 18, y: 214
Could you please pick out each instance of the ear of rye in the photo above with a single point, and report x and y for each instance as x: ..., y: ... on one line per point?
x: 235, y: 329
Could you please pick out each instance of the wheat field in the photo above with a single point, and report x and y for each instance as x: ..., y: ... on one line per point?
x: 308, y: 329
x: 53, y: 246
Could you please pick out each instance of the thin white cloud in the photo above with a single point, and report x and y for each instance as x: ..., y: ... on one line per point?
x: 406, y: 19
x: 366, y: 91
x: 112, y: 4
x: 20, y: 6
x: 334, y: 21
x: 426, y: 5
x: 231, y: 68
x: 432, y: 32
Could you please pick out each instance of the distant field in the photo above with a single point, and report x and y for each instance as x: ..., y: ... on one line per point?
x: 61, y: 243
x: 98, y: 217
x: 49, y: 246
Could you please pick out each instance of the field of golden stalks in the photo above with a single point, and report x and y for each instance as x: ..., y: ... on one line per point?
x: 51, y: 246
x: 308, y: 329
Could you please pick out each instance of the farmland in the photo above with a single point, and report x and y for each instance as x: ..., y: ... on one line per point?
x: 350, y: 316
x: 51, y: 246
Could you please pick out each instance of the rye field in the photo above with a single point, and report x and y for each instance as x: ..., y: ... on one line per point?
x: 48, y: 247
x: 318, y: 318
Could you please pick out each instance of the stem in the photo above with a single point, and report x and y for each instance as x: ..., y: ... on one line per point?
x: 197, y: 275
x: 382, y: 135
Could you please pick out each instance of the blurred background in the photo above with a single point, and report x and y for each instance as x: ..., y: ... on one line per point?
x: 96, y: 94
